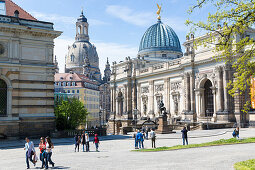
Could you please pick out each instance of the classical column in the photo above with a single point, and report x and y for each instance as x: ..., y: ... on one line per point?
x: 219, y: 90
x: 198, y: 95
x: 125, y: 99
x: 187, y: 91
x: 192, y: 92
x: 139, y: 98
x: 114, y: 100
x: 214, y: 104
x: 225, y: 82
x: 199, y: 102
x: 129, y: 99
x: 166, y: 94
x: 151, y: 97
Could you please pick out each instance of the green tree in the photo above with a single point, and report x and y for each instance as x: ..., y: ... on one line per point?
x: 226, y: 27
x: 70, y: 114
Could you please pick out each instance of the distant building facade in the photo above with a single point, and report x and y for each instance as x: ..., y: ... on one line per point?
x: 81, y: 87
x: 26, y: 73
x: 192, y: 85
x: 82, y: 59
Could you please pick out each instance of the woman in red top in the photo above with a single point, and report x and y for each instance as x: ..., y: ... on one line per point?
x: 96, y: 141
x: 42, y: 147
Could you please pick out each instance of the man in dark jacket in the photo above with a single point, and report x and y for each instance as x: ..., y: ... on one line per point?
x: 184, y: 135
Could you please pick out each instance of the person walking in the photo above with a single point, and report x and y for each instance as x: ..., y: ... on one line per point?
x: 184, y: 135
x: 146, y: 132
x: 42, y: 148
x: 134, y: 136
x: 96, y: 142
x: 153, y: 138
x: 236, y: 133
x: 77, y: 142
x: 142, y: 139
x: 83, y: 140
x: 87, y: 141
x: 30, y: 150
x: 139, y: 137
x: 49, y: 147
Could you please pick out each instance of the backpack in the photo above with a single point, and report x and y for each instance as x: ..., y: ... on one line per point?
x: 153, y: 134
x: 234, y: 133
x: 139, y: 136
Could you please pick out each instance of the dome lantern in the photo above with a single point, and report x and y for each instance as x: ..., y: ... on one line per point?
x: 82, y: 28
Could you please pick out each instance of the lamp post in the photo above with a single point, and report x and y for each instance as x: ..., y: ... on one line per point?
x: 207, y: 114
x: 100, y: 115
x: 135, y: 117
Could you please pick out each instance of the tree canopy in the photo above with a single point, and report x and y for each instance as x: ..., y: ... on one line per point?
x: 228, y: 27
x: 70, y: 114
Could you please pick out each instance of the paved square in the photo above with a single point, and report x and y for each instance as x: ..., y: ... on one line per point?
x: 115, y: 153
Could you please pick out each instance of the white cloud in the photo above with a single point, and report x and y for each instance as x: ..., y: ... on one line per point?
x: 55, y: 18
x: 177, y: 23
x: 114, y: 51
x: 128, y: 15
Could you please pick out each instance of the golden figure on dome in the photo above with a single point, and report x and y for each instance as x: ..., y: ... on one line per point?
x: 159, y: 11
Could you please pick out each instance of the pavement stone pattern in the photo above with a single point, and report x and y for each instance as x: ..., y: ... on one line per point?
x: 115, y: 153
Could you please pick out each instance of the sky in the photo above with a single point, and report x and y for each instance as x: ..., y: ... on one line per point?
x: 115, y: 26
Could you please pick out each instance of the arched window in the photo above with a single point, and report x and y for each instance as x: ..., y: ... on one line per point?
x: 3, y: 98
x: 208, y: 97
x: 16, y: 13
x: 79, y: 29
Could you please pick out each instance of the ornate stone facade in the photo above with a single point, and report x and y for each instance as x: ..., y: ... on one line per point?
x: 192, y: 87
x: 26, y: 74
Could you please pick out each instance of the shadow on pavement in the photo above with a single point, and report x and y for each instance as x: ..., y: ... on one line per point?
x: 5, y: 144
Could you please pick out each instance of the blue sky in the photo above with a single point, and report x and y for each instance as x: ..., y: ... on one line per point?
x: 115, y: 26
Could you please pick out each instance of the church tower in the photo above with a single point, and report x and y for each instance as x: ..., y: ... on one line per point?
x: 82, y: 28
x: 107, y: 72
x: 82, y: 52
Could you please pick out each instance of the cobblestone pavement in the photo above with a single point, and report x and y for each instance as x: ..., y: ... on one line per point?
x: 115, y: 153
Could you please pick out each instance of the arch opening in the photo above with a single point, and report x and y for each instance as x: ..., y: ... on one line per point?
x: 208, y: 98
x: 3, y: 98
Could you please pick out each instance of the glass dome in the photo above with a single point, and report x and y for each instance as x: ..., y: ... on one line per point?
x: 160, y: 37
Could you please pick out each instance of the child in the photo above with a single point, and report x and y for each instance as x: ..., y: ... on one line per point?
x: 96, y: 141
x: 77, y: 142
x: 236, y: 133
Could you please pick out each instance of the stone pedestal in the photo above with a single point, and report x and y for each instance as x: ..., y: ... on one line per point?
x: 163, y: 127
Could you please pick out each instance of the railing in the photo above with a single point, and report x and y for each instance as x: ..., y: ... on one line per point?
x: 91, y: 132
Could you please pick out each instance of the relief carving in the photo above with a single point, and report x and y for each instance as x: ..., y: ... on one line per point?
x: 159, y: 87
x: 175, y: 85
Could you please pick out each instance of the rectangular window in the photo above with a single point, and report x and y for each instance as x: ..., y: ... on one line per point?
x: 68, y: 91
x: 164, y: 55
x: 73, y: 91
x: 2, y: 8
x: 78, y: 91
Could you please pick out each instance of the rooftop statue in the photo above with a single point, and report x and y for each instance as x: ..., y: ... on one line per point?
x: 159, y: 11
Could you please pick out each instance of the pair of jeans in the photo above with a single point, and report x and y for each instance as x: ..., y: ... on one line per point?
x: 96, y: 144
x: 185, y: 139
x: 48, y: 159
x: 28, y: 158
x: 83, y: 146
x: 77, y: 145
x: 139, y: 143
x: 87, y: 146
x: 42, y: 158
x: 153, y: 142
x: 136, y: 144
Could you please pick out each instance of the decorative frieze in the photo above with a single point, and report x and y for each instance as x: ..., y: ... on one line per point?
x: 175, y: 85
x: 159, y: 87
x: 144, y: 70
x: 144, y: 90
x: 156, y: 67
